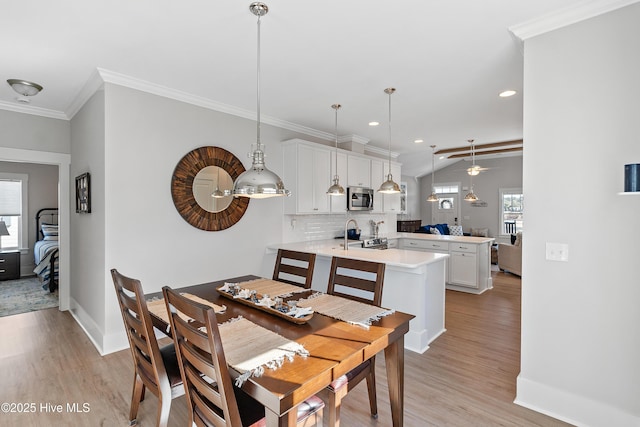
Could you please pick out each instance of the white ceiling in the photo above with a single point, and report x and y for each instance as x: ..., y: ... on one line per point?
x: 448, y: 61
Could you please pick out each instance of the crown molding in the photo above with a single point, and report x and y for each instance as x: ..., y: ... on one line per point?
x: 30, y: 109
x: 566, y: 16
x: 101, y: 76
x: 369, y: 149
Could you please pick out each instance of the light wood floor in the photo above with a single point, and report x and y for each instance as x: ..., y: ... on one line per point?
x: 466, y: 378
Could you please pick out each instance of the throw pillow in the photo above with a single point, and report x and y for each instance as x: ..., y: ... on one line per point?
x: 434, y: 230
x: 480, y: 232
x: 456, y: 230
x: 518, y: 241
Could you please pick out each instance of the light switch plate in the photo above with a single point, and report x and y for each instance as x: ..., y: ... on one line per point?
x: 557, y: 252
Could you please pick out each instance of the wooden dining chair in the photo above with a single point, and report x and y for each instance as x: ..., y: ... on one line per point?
x: 294, y: 265
x: 359, y: 281
x: 213, y: 399
x: 155, y: 368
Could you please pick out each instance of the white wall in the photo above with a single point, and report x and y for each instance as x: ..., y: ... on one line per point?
x: 580, y: 341
x: 505, y: 172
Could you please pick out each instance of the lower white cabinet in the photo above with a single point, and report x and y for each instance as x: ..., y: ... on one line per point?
x: 463, y: 270
x: 468, y: 266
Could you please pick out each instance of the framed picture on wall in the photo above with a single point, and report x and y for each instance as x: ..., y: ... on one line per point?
x: 83, y: 193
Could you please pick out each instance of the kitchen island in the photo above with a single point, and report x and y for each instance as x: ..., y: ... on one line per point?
x: 414, y: 282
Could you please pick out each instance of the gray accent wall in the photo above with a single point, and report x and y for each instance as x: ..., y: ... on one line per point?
x: 504, y: 172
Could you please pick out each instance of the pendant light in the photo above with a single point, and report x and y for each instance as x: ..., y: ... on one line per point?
x: 259, y: 182
x: 336, y: 189
x: 433, y: 197
x: 471, y: 197
x: 389, y: 186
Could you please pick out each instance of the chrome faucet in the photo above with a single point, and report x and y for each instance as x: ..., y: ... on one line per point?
x: 346, y: 245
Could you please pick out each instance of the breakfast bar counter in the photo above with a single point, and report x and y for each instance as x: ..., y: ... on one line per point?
x: 414, y: 282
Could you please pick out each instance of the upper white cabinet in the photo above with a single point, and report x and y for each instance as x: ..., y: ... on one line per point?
x: 377, y: 178
x: 307, y: 173
x: 358, y: 171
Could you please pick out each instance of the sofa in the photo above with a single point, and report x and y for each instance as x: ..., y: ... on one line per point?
x: 510, y: 256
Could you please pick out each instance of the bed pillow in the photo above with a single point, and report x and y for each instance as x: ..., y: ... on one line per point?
x: 433, y: 230
x: 50, y: 231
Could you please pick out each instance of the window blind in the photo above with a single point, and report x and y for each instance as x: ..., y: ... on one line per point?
x: 10, y: 198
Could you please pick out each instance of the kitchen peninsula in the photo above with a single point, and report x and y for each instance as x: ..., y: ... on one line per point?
x: 414, y: 282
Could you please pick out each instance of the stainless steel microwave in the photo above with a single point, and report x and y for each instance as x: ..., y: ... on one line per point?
x: 359, y: 199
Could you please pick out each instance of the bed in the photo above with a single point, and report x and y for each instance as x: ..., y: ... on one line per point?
x: 45, y: 250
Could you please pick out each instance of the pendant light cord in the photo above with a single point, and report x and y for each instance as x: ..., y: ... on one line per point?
x: 390, y: 92
x: 258, y: 87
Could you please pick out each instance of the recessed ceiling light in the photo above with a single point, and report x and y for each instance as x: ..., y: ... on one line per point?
x: 373, y: 123
x: 507, y: 93
x: 418, y: 141
x: 441, y: 157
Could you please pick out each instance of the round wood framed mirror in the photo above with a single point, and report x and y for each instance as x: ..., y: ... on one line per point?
x: 182, y: 189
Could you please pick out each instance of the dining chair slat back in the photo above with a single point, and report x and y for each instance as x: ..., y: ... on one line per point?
x: 367, y: 279
x: 211, y: 395
x: 295, y: 268
x: 357, y: 274
x: 155, y: 368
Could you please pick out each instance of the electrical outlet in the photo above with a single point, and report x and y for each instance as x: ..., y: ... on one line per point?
x: 557, y: 252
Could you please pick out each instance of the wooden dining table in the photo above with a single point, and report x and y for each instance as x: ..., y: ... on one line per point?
x: 335, y: 347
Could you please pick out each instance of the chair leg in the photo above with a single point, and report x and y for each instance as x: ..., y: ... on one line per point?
x: 335, y: 400
x: 371, y: 385
x: 136, y: 397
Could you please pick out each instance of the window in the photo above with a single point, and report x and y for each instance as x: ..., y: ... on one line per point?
x: 511, y: 210
x: 13, y: 209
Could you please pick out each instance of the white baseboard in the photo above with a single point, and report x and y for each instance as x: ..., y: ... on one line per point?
x: 87, y: 324
x: 568, y: 407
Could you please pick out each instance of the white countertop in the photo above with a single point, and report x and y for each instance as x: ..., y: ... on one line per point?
x: 446, y: 238
x: 391, y: 257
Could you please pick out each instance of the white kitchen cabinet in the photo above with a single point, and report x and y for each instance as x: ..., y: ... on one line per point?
x: 358, y: 171
x: 307, y: 173
x: 468, y: 265
x: 377, y: 178
x: 463, y: 270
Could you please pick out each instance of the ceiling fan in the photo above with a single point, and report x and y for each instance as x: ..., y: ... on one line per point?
x: 481, y: 149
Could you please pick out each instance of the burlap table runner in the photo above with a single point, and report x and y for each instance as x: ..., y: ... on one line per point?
x: 271, y: 287
x: 249, y: 348
x: 158, y: 307
x: 344, y: 309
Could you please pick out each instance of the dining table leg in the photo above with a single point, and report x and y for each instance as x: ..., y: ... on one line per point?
x: 394, y: 360
x: 287, y: 420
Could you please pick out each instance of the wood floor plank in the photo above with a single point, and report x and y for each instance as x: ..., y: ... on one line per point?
x: 466, y: 378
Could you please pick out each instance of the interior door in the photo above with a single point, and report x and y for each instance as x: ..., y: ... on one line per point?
x: 447, y: 209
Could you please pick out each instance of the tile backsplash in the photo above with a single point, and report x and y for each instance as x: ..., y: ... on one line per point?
x: 299, y: 228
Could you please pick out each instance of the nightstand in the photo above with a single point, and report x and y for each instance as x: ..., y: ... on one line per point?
x: 9, y: 265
